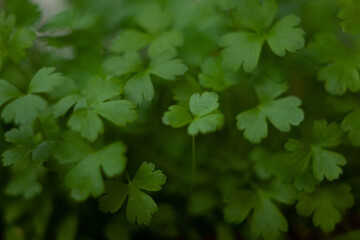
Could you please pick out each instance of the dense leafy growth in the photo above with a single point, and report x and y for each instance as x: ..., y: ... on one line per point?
x: 179, y: 119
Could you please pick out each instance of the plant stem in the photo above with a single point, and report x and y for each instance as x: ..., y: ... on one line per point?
x: 193, y: 167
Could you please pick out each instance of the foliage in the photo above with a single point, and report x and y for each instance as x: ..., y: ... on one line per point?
x: 180, y: 119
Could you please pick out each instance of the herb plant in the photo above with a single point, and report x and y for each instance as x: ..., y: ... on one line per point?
x: 180, y: 119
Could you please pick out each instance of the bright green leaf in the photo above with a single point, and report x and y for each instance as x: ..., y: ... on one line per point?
x: 45, y: 80
x: 130, y: 41
x: 119, y: 112
x: 203, y: 104
x: 87, y: 123
x: 177, y: 116
x: 206, y: 124
x: 121, y: 65
x: 241, y: 49
x: 24, y: 109
x: 139, y: 87
x: 165, y: 66
x: 284, y: 37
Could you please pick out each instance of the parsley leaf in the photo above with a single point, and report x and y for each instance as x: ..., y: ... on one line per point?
x: 256, y: 15
x: 326, y: 164
x: 243, y: 48
x: 165, y: 66
x: 283, y: 36
x: 24, y: 182
x: 96, y: 101
x: 349, y: 14
x: 350, y: 125
x: 139, y: 87
x: 26, y: 146
x: 23, y: 145
x: 153, y: 18
x: 325, y: 204
x: 85, y: 177
x: 26, y: 12
x: 13, y: 42
x: 159, y: 55
x: 122, y: 65
x: 267, y: 220
x: 339, y: 64
x: 350, y: 122
x: 202, y: 114
x: 282, y: 113
x: 130, y: 41
x: 23, y: 108
x: 213, y: 76
x: 45, y: 81
x: 140, y: 206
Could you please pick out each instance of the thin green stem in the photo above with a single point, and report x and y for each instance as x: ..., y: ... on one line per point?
x: 193, y: 167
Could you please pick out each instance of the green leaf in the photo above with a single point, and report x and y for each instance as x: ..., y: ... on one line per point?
x: 64, y: 105
x: 116, y: 195
x: 140, y: 206
x: 327, y: 164
x: 7, y: 92
x: 267, y: 220
x: 153, y: 18
x: 325, y: 204
x: 206, y: 124
x: 340, y: 76
x: 24, y: 182
x: 43, y: 151
x: 119, y: 112
x: 203, y: 118
x: 71, y: 149
x: 240, y: 204
x: 165, y: 66
x: 256, y: 15
x: 254, y: 124
x: 139, y: 87
x: 177, y: 116
x: 203, y: 104
x: 149, y: 179
x: 326, y: 135
x: 20, y: 41
x: 24, y: 109
x: 130, y: 41
x: 241, y: 49
x: 350, y: 125
x: 349, y: 10
x: 87, y: 123
x: 15, y: 155
x: 122, y: 65
x: 85, y: 119
x: 85, y: 177
x: 166, y: 42
x: 25, y: 146
x: 26, y: 12
x: 213, y: 76
x: 45, y: 80
x: 283, y: 36
x: 102, y: 88
x: 282, y: 113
